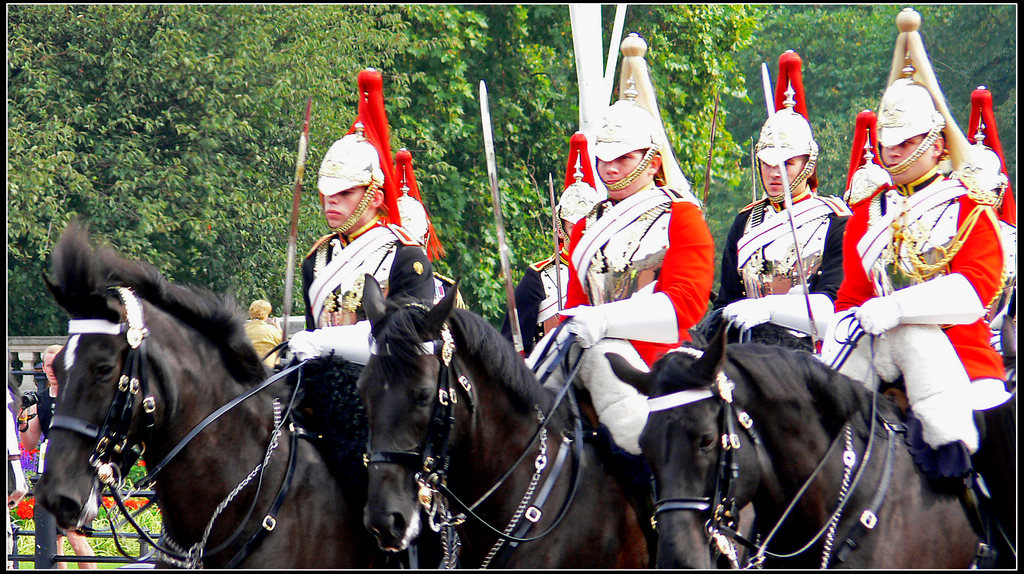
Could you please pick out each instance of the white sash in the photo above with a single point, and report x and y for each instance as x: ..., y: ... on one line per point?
x: 353, y: 256
x: 879, y: 233
x: 803, y: 212
x: 614, y: 220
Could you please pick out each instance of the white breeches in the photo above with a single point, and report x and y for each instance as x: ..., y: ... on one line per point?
x: 619, y: 406
x: 938, y: 389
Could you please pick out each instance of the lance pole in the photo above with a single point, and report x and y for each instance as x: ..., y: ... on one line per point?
x: 300, y: 169
x: 711, y: 150
x: 788, y: 202
x: 558, y: 252
x: 753, y: 173
x: 492, y: 175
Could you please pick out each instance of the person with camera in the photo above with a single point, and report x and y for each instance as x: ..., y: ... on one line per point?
x: 33, y: 430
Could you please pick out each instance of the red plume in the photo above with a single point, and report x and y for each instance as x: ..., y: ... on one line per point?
x: 403, y: 167
x: 375, y: 126
x: 866, y: 131
x: 578, y: 148
x: 789, y: 73
x: 981, y: 112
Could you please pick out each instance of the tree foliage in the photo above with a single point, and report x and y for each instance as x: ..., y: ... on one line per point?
x: 172, y: 130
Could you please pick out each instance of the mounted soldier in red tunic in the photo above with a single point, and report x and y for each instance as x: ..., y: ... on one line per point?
x: 923, y: 259
x: 641, y: 262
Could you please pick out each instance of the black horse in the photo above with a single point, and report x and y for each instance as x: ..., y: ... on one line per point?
x: 461, y: 432
x: 821, y: 458
x: 168, y: 369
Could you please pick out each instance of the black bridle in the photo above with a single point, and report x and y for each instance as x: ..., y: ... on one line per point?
x: 721, y: 526
x: 115, y: 450
x: 432, y: 458
x: 722, y: 523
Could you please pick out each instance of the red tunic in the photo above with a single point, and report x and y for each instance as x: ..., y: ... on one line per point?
x: 980, y: 261
x: 686, y: 274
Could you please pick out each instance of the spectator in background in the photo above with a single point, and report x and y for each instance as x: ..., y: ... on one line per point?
x: 34, y: 433
x: 16, y: 485
x: 262, y: 331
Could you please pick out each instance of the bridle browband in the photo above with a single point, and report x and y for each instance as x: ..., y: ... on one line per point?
x: 114, y: 450
x: 432, y: 458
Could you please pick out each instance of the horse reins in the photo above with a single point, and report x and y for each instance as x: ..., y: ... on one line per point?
x: 432, y: 458
x: 718, y: 529
x: 113, y: 439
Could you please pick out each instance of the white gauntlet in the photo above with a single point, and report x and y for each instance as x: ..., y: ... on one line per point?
x: 350, y: 342
x: 946, y: 300
x: 642, y: 317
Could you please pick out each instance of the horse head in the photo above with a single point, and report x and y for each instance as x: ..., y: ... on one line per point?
x: 113, y: 377
x: 400, y: 389
x: 695, y: 450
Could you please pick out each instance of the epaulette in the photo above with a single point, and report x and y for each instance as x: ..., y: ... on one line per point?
x: 320, y: 242
x: 751, y: 205
x: 444, y: 279
x: 540, y: 265
x: 838, y: 206
x: 404, y: 237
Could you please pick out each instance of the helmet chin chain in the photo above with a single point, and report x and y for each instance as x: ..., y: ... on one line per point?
x: 637, y: 171
x: 926, y: 143
x: 364, y: 203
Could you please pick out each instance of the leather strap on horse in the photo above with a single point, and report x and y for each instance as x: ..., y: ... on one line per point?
x: 151, y: 475
x: 869, y: 517
x: 270, y: 520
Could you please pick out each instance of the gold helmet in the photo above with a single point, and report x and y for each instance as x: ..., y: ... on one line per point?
x: 410, y: 203
x: 580, y: 194
x: 865, y: 174
x: 913, y: 103
x: 634, y: 122
x: 789, y: 124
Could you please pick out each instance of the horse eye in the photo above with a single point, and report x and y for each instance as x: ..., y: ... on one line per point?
x: 103, y: 371
x: 706, y: 442
x: 422, y: 397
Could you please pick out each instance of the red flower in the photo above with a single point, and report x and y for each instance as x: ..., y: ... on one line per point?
x: 26, y: 508
x: 141, y: 463
x: 108, y: 502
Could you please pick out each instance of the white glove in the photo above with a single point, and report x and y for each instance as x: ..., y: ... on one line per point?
x: 587, y: 323
x: 747, y: 313
x: 646, y: 316
x: 878, y: 314
x: 787, y: 310
x: 303, y: 345
x: 350, y: 342
x: 946, y: 300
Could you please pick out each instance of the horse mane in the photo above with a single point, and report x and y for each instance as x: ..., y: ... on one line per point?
x: 402, y: 333
x: 498, y: 358
x: 784, y: 374
x: 84, y: 276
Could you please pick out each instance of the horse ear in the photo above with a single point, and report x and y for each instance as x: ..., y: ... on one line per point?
x: 640, y: 380
x: 713, y: 359
x: 373, y: 299
x: 57, y: 292
x: 440, y: 312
